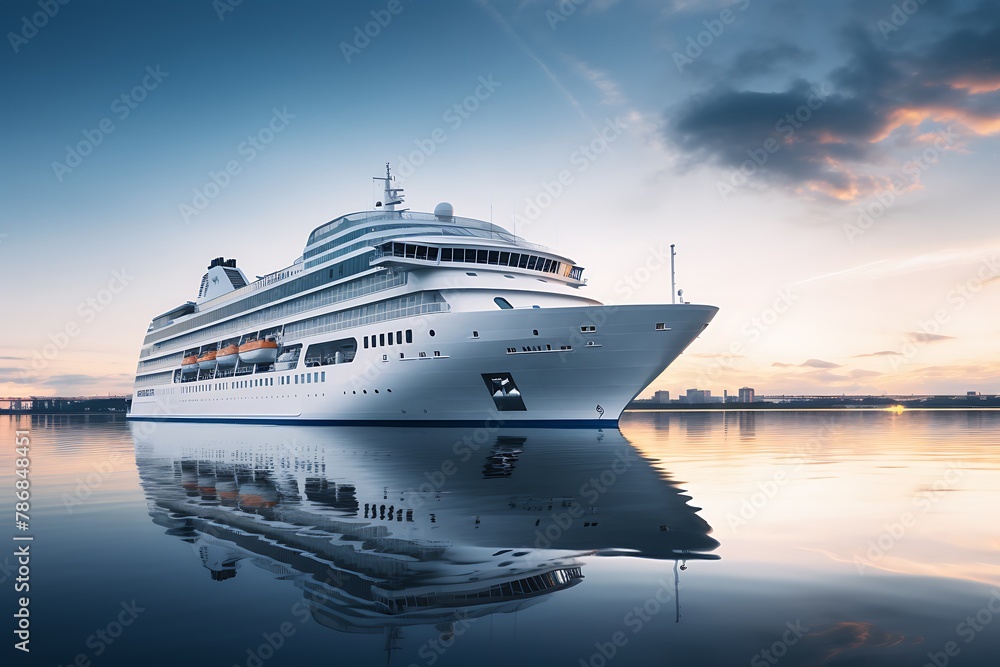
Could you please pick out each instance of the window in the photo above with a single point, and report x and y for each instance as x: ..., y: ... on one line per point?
x: 475, y: 334
x: 322, y: 376
x: 316, y: 376
x: 588, y: 328
x: 471, y: 273
x: 504, y: 258
x: 503, y: 303
x: 296, y: 379
x: 366, y: 342
x: 431, y: 332
x: 391, y: 339
x: 459, y: 254
x: 381, y: 340
x: 662, y: 326
x: 399, y: 337
x: 482, y: 256
x: 494, y: 256
x: 445, y: 254
x: 308, y: 378
x: 409, y: 335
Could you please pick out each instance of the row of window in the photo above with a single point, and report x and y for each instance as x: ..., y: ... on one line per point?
x: 379, y: 340
x: 325, y: 297
x: 350, y: 290
x: 482, y: 256
x: 404, y: 306
x: 300, y: 378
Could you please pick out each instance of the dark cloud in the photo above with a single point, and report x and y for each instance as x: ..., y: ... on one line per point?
x: 764, y: 60
x: 922, y: 337
x: 883, y: 353
x: 830, y: 137
x: 818, y: 363
x: 15, y: 375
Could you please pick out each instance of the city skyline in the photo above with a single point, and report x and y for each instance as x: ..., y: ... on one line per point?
x: 829, y: 191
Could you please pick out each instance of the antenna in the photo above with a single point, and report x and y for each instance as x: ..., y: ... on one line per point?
x: 390, y: 195
x: 673, y: 279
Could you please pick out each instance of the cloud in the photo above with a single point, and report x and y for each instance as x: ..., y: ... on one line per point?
x: 611, y: 93
x: 883, y: 353
x: 862, y: 373
x: 818, y: 363
x: 16, y: 375
x: 760, y: 61
x: 922, y: 337
x: 845, y: 140
x: 808, y: 363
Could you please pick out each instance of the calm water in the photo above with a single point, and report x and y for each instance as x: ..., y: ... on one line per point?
x: 792, y: 538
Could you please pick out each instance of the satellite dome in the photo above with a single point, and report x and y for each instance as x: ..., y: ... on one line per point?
x: 444, y: 210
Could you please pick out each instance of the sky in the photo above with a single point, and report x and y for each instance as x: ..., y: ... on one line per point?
x: 826, y: 170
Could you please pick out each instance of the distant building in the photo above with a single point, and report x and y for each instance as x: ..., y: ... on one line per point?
x: 698, y: 395
x: 746, y: 394
x: 661, y: 397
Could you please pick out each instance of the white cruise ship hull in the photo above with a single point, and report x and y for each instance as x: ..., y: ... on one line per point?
x: 564, y: 376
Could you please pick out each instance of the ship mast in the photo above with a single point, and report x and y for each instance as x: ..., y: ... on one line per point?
x: 390, y: 195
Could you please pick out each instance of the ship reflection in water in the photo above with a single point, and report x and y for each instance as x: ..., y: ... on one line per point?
x: 381, y: 532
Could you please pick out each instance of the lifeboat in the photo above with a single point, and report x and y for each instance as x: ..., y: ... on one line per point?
x: 259, y: 351
x: 206, y: 360
x: 189, y: 364
x: 228, y: 356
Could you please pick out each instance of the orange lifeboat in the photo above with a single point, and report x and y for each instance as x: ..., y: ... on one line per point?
x: 206, y: 360
x: 189, y: 364
x: 227, y: 356
x: 259, y: 351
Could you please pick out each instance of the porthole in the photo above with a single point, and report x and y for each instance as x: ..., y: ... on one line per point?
x: 431, y: 332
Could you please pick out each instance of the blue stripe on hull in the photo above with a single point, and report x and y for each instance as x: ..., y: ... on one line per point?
x: 489, y: 423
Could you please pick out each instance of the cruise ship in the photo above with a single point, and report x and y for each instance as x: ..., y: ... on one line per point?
x: 396, y: 316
